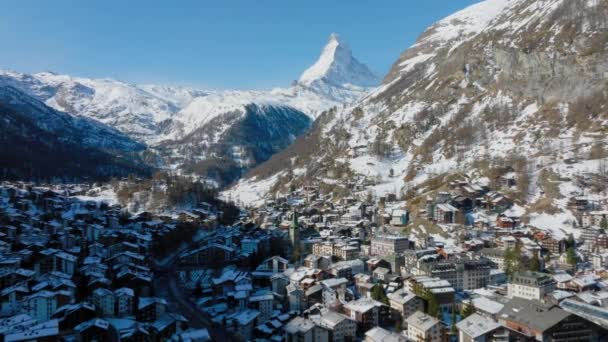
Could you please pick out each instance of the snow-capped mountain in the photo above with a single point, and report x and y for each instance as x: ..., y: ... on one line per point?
x: 338, y: 67
x: 519, y: 83
x: 162, y: 116
x: 123, y: 106
x: 153, y: 113
x: 337, y: 74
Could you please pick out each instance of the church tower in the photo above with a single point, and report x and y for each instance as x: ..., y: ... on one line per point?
x: 294, y: 231
x: 294, y: 238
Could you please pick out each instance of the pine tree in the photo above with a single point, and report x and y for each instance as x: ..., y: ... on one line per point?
x: 198, y: 290
x: 604, y: 224
x: 512, y: 258
x: 379, y: 295
x: 571, y: 242
x: 467, y: 309
x: 295, y: 255
x: 433, y: 308
x: 82, y: 288
x: 398, y: 325
x: 571, y: 256
x: 454, y: 329
x: 534, y: 264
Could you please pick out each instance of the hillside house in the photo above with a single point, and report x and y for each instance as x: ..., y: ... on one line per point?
x: 506, y: 181
x: 399, y: 217
x: 445, y: 213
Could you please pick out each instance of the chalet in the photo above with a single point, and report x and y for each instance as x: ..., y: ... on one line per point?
x: 11, y: 297
x: 367, y: 312
x: 462, y: 202
x: 443, y: 197
x: 497, y: 202
x: 150, y: 309
x: 601, y: 241
x: 506, y: 181
x: 504, y: 222
x: 26, y: 329
x: 229, y: 280
x: 495, y: 255
x: 127, y: 258
x: 96, y: 329
x: 164, y: 327
x: 131, y: 330
x: 71, y: 315
x: 445, y: 213
x: 399, y: 217
x: 579, y: 203
x: 376, y: 262
x: 553, y: 245
x: 403, y: 304
x: 473, y: 190
x: 477, y: 328
x: 594, y: 218
x: 379, y: 334
x: 189, y: 217
x: 339, y: 327
x: 214, y: 254
x: 423, y: 327
x: 244, y: 322
x: 521, y: 317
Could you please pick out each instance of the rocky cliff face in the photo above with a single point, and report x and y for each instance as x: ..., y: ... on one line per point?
x: 520, y: 82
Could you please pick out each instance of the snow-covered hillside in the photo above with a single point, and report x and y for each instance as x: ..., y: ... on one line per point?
x: 39, y: 142
x: 503, y: 82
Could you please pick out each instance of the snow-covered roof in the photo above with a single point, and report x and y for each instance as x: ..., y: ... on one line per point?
x: 422, y: 321
x: 477, y: 325
x: 487, y: 305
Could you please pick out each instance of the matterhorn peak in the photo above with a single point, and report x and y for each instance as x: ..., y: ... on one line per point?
x: 338, y: 67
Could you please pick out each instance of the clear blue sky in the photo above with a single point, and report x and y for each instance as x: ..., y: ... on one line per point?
x: 219, y: 44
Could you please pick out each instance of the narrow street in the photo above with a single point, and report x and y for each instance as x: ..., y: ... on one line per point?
x: 166, y: 286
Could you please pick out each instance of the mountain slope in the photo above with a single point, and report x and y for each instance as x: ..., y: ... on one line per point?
x: 190, y: 128
x: 42, y: 143
x: 229, y: 144
x: 518, y: 83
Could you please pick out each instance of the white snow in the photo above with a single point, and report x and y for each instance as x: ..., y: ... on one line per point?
x: 409, y: 64
x: 140, y: 110
x: 251, y: 192
x: 337, y: 66
x: 465, y: 24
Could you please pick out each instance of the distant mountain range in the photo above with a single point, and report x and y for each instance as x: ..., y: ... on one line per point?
x: 193, y: 130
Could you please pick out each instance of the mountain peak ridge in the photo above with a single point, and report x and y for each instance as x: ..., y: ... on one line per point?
x: 337, y: 66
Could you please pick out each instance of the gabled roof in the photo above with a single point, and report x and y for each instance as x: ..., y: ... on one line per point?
x: 422, y: 321
x: 529, y: 312
x: 96, y: 322
x: 476, y: 325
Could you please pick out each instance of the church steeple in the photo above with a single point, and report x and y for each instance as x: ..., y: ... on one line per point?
x: 294, y: 230
x: 294, y: 221
x: 294, y: 236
